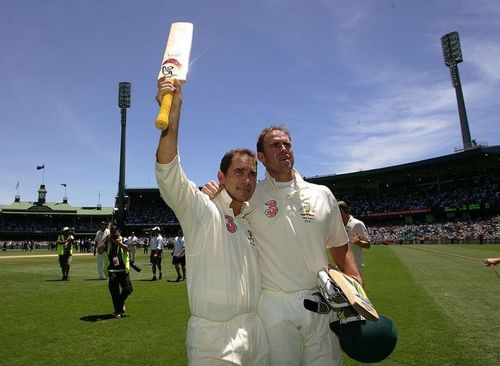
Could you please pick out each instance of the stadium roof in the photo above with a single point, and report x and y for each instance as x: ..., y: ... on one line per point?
x: 60, y: 208
x: 435, y: 170
x: 475, y: 161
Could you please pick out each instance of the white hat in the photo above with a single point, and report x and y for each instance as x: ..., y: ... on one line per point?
x: 156, y: 228
x: 65, y: 228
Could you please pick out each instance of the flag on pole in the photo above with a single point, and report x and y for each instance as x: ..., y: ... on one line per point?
x: 40, y: 167
x: 17, y: 185
x: 63, y: 184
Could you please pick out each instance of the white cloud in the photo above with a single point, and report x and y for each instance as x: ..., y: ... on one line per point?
x: 485, y: 56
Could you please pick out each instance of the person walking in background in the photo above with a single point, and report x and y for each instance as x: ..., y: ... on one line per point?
x: 64, y: 248
x: 102, y: 233
x: 179, y: 255
x: 359, y: 238
x: 157, y: 244
x: 117, y: 265
x: 132, y: 242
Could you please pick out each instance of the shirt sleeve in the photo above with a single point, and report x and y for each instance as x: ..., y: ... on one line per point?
x: 191, y: 207
x: 337, y: 235
x: 362, y: 231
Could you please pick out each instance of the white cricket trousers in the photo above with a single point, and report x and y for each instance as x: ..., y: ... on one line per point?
x: 297, y: 336
x: 100, y: 265
x: 239, y: 341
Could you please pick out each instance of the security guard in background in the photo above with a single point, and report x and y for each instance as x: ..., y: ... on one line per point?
x: 64, y: 248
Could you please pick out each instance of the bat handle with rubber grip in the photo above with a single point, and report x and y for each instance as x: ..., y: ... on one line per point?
x: 162, y: 119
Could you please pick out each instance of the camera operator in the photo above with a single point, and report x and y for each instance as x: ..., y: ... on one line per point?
x: 64, y: 249
x: 117, y: 264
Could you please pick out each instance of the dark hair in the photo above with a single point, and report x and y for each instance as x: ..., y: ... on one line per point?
x: 343, y: 206
x: 265, y: 131
x: 225, y: 163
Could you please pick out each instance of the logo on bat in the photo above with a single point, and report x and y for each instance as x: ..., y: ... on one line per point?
x: 171, y: 68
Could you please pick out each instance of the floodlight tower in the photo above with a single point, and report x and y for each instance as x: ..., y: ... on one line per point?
x: 123, y: 103
x: 452, y: 57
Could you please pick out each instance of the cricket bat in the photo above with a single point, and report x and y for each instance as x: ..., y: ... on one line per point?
x: 174, y: 65
x: 354, y: 293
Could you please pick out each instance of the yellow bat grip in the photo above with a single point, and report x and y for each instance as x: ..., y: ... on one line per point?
x: 162, y: 119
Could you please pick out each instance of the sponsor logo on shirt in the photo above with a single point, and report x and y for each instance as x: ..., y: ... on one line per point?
x: 271, y: 208
x: 230, y: 224
x: 307, y: 212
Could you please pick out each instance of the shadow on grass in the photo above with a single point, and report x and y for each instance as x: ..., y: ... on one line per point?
x: 86, y: 279
x: 96, y: 318
x: 146, y: 280
x: 95, y: 279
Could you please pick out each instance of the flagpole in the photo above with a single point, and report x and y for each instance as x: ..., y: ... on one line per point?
x: 43, y: 173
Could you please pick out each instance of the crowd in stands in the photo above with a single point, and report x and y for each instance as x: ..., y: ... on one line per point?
x: 82, y: 245
x: 150, y: 213
x: 453, y: 232
x: 476, y: 200
x: 482, y: 191
x: 46, y: 223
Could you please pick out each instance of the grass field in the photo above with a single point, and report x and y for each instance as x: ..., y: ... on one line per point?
x: 446, y: 309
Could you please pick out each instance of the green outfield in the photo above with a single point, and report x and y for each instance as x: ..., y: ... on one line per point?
x: 446, y: 309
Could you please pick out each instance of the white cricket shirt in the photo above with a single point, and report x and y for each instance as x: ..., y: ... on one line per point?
x: 100, y: 235
x: 157, y: 243
x: 179, y: 244
x: 357, y: 227
x: 293, y: 228
x: 221, y: 258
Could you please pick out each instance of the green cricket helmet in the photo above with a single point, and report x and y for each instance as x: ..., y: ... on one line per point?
x: 367, y: 341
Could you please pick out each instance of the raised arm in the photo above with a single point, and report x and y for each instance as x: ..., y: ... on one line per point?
x: 167, y: 146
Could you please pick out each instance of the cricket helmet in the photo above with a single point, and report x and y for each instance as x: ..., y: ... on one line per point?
x: 367, y: 341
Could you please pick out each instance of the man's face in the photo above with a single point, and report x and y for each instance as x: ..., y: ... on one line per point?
x: 277, y: 155
x: 241, y: 177
x: 345, y: 216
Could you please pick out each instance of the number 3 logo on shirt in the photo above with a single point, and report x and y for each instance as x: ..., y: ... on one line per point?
x: 272, y: 208
x: 230, y: 225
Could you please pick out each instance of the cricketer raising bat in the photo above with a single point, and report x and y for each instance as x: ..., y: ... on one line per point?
x: 174, y: 65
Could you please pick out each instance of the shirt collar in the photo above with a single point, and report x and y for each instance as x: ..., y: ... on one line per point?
x: 226, y: 200
x: 299, y: 183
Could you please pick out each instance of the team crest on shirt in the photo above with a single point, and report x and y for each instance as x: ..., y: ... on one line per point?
x: 307, y: 212
x: 230, y: 224
x: 271, y: 208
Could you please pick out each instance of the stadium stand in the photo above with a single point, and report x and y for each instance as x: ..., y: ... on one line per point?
x: 41, y: 220
x: 449, y: 199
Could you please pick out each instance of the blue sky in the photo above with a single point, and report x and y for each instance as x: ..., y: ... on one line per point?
x: 360, y: 84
